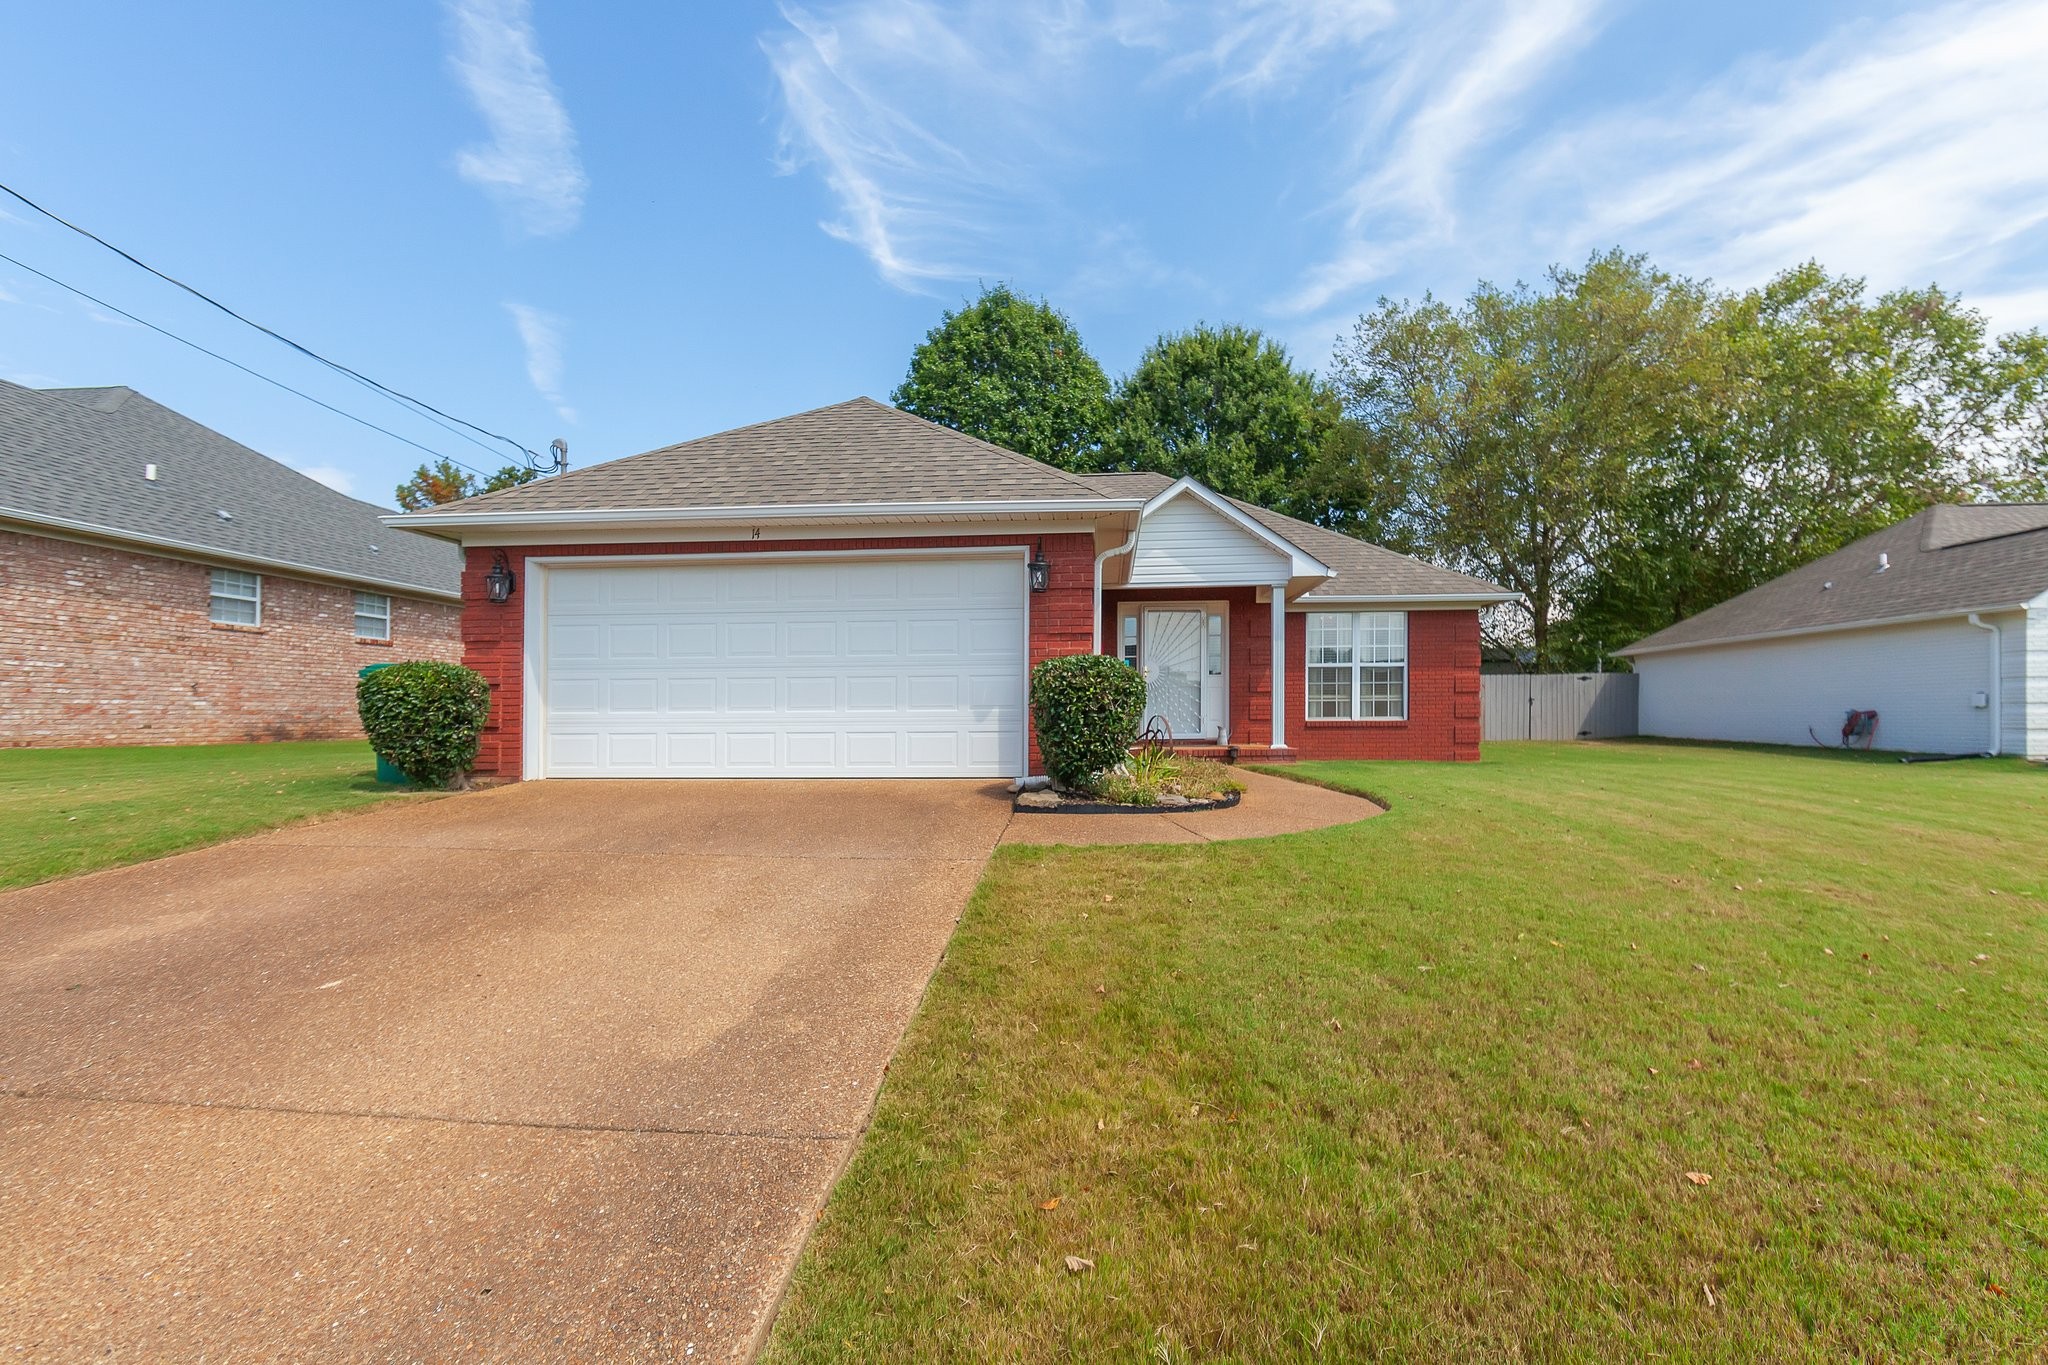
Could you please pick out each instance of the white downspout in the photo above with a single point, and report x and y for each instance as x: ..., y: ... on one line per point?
x: 1100, y: 560
x: 1997, y: 681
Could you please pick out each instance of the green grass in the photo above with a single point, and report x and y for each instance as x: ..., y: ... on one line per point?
x: 1429, y: 1087
x: 64, y: 811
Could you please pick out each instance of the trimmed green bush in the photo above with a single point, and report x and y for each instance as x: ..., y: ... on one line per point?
x: 1087, y: 708
x: 424, y: 718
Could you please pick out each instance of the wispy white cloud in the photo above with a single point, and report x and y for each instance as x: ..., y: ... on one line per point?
x: 335, y: 477
x: 530, y: 165
x: 541, y: 334
x: 1449, y: 91
x: 1906, y: 151
x: 866, y: 90
x: 109, y: 319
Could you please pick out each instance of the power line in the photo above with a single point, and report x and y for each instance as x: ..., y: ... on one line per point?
x: 278, y: 383
x: 405, y: 400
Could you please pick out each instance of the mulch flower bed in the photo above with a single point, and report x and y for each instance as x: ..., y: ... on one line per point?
x: 1073, y: 803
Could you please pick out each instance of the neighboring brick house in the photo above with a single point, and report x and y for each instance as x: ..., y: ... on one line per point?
x: 162, y: 584
x: 854, y: 591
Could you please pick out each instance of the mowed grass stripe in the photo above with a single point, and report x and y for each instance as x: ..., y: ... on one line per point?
x: 1430, y: 1085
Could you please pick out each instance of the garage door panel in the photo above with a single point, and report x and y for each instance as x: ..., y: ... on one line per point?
x: 871, y: 693
x: 881, y: 667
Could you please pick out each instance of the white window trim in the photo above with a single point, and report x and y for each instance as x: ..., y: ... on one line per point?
x: 384, y: 638
x: 213, y: 594
x: 1358, y: 665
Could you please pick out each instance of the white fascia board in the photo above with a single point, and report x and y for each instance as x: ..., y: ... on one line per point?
x: 1423, y: 601
x: 212, y: 554
x: 441, y: 522
x: 1302, y: 563
x: 1963, y: 613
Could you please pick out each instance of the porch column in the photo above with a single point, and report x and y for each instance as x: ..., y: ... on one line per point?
x: 1279, y: 665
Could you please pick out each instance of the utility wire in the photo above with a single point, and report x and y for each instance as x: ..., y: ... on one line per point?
x: 278, y: 383
x: 403, y: 399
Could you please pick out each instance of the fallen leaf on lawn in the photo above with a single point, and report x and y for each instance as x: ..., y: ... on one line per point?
x: 1556, y: 944
x: 1981, y: 957
x: 1098, y: 1125
x: 1829, y: 951
x: 1336, y: 1025
x: 1995, y: 1288
x: 1699, y: 1177
x: 1710, y: 1294
x: 1102, y: 990
x: 1696, y: 1065
x: 1653, y: 1071
x: 1051, y: 1204
x: 1077, y: 1266
x: 1699, y: 966
x: 1107, y: 899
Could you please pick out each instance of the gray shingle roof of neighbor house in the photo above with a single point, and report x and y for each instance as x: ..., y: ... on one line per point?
x: 74, y: 460
x: 859, y: 451
x: 1363, y: 569
x: 1945, y: 561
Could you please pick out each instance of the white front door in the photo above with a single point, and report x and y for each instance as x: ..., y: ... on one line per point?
x: 1175, y: 643
x: 800, y: 667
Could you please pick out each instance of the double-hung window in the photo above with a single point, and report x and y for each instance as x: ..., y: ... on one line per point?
x: 373, y: 616
x: 236, y: 598
x: 1358, y: 665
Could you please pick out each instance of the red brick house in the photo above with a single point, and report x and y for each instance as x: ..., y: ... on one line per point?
x: 854, y: 591
x: 162, y: 584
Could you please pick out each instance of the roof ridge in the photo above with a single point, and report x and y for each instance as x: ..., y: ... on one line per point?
x: 1036, y: 463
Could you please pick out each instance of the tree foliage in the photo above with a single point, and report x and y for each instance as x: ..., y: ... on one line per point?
x: 1012, y: 371
x: 446, y: 481
x: 1627, y: 448
x: 1496, y: 432
x: 1226, y: 405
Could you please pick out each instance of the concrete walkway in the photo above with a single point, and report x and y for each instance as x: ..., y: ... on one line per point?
x: 559, y: 1071
x: 1271, y: 805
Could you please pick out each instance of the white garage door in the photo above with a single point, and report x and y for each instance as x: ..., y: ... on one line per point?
x: 786, y: 668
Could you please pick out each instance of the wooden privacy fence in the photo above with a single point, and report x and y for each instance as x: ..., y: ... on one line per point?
x: 1558, y: 705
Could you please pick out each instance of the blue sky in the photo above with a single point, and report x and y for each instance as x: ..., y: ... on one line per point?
x: 629, y: 224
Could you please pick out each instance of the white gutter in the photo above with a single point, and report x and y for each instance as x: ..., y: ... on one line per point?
x: 1095, y: 645
x: 1871, y: 624
x: 214, y: 554
x: 757, y: 512
x: 1997, y: 680
x: 1312, y: 601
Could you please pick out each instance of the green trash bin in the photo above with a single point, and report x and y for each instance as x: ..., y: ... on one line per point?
x: 385, y: 772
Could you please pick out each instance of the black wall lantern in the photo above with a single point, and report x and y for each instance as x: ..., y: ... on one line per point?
x: 500, y: 581
x: 1040, y: 571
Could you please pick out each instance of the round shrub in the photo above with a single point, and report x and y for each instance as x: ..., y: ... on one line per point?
x: 1087, y: 708
x: 424, y: 718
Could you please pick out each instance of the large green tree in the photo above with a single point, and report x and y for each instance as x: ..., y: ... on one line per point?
x: 1841, y: 415
x: 1011, y: 370
x: 1226, y: 405
x: 446, y: 481
x: 1497, y: 434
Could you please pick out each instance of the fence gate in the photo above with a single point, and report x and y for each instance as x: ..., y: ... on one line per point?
x: 1558, y: 705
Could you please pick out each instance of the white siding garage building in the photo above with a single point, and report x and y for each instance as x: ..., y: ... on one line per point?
x: 1939, y: 624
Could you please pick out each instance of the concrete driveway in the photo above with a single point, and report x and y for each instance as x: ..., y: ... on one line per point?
x: 557, y: 1071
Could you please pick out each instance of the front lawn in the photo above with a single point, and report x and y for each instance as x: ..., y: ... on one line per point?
x: 74, y: 810
x: 1623, y: 1050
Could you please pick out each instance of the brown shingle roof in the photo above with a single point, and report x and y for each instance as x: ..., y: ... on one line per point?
x: 1363, y: 569
x: 859, y: 451
x: 1944, y: 561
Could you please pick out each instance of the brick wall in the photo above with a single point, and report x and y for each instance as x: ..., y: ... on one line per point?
x: 494, y: 635
x: 108, y: 646
x: 1443, y: 681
